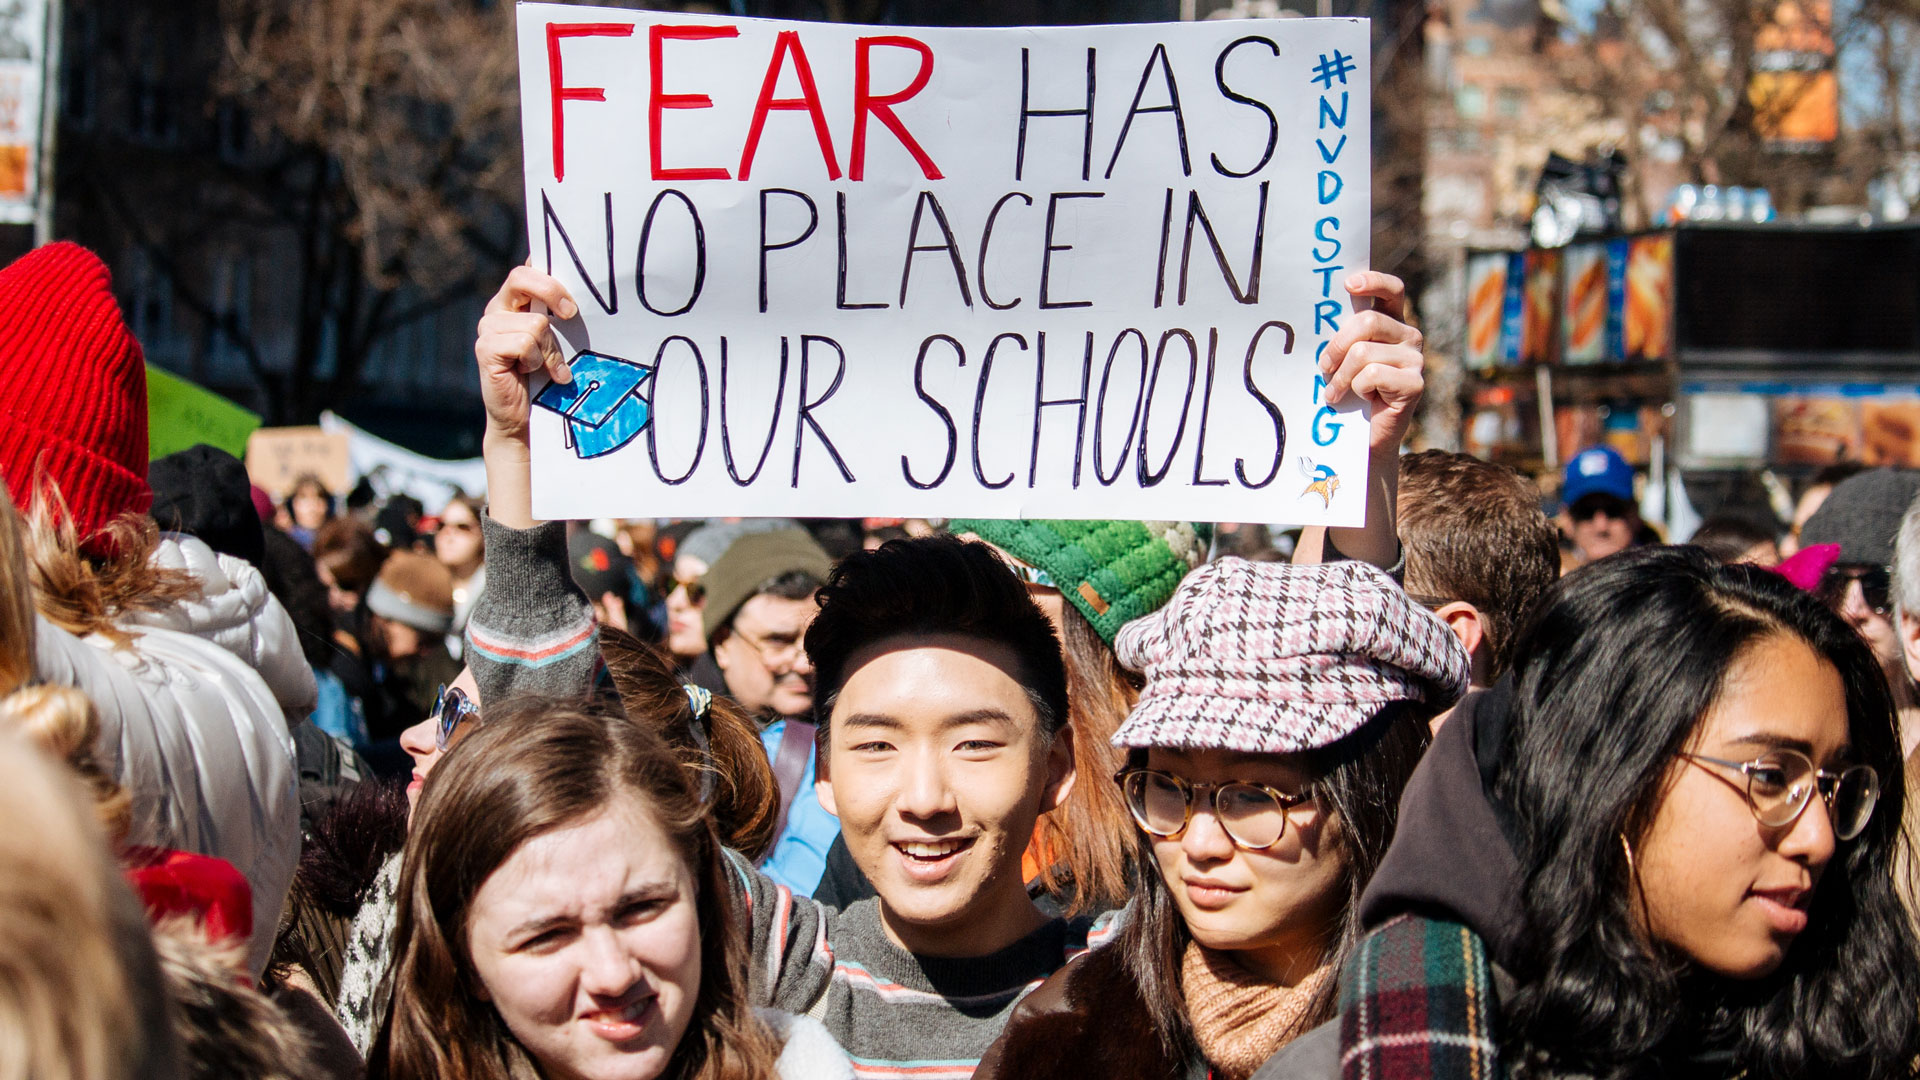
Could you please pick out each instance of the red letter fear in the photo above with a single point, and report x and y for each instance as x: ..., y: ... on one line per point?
x: 865, y: 102
x: 809, y: 99
x: 562, y: 93
x: 660, y: 100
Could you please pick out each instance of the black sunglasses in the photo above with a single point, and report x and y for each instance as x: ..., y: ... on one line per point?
x: 1876, y: 587
x: 696, y: 588
x: 1593, y: 505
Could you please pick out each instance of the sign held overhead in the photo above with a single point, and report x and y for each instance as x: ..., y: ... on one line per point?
x: 860, y: 271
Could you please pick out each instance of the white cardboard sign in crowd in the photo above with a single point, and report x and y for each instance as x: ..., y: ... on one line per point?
x: 831, y: 270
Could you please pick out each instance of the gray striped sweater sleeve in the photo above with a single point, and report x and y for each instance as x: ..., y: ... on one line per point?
x: 899, y: 1016
x: 792, y: 961
x: 532, y: 629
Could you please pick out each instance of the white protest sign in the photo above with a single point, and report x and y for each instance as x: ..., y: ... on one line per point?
x: 829, y: 270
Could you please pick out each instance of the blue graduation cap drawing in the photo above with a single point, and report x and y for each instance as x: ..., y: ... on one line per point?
x: 603, y: 405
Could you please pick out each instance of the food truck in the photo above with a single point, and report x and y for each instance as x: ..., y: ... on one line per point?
x: 1699, y: 351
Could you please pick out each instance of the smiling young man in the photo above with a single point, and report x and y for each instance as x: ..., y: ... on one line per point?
x: 941, y: 703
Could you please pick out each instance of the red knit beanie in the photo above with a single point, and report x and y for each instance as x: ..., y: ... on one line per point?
x: 73, y: 388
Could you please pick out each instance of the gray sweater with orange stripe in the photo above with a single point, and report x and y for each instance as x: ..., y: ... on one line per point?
x: 898, y: 1015
x: 532, y: 629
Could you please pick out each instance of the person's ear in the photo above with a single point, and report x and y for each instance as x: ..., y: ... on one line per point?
x: 1910, y: 643
x: 823, y: 780
x: 1470, y: 627
x: 714, y: 644
x: 1061, y: 771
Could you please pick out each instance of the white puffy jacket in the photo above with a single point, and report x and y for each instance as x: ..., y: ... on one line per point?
x: 196, y: 714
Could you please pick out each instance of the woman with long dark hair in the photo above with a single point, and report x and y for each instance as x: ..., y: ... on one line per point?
x: 566, y: 911
x: 1283, y: 710
x: 1665, y: 850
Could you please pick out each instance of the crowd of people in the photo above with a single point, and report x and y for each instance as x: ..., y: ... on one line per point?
x: 330, y: 787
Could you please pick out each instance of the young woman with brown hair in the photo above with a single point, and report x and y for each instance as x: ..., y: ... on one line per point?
x: 711, y: 739
x: 565, y: 911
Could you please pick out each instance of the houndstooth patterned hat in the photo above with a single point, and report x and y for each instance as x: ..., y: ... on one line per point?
x: 1273, y: 659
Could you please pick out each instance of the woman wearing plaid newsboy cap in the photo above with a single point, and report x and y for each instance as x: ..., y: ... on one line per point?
x: 1284, y: 708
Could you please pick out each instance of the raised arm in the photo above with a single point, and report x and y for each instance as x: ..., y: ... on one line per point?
x: 532, y: 629
x: 1379, y: 357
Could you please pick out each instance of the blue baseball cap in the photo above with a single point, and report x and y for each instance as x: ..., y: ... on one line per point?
x: 1598, y: 468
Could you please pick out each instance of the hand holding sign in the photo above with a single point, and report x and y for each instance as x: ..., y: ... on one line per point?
x: 1379, y: 357
x: 514, y: 341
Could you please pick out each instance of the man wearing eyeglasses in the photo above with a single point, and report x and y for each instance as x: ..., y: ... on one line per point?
x: 758, y: 604
x: 1863, y: 516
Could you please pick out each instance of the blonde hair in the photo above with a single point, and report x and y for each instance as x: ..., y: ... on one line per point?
x: 85, y: 594
x: 63, y: 722
x: 59, y: 720
x: 66, y: 1011
x: 16, y: 601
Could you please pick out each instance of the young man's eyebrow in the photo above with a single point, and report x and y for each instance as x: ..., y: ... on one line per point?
x: 988, y: 715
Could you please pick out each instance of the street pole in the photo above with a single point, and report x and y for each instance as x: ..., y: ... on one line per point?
x: 49, y: 122
x: 1549, y: 435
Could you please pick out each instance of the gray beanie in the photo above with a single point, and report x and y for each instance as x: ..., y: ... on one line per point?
x: 708, y: 542
x: 1863, y: 515
x: 414, y: 589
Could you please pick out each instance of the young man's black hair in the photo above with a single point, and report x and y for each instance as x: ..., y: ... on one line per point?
x: 933, y: 585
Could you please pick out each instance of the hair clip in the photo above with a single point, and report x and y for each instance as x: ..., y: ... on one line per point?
x: 698, y: 698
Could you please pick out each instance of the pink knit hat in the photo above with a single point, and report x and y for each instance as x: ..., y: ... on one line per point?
x: 1272, y: 659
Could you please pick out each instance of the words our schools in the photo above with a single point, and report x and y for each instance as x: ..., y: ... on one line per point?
x: 833, y: 270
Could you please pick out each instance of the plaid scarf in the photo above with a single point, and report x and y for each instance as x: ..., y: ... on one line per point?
x: 1418, y: 1001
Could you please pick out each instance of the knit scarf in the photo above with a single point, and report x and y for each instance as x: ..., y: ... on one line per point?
x: 363, y: 996
x: 1240, y: 1018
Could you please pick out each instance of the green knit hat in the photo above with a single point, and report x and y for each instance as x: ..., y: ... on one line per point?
x: 1113, y: 571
